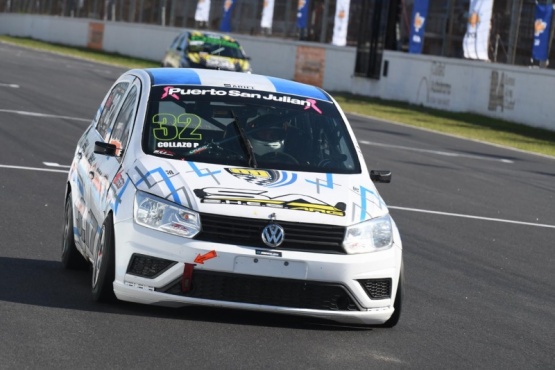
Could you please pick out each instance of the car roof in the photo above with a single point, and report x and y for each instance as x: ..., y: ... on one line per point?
x: 217, y: 78
x: 210, y: 34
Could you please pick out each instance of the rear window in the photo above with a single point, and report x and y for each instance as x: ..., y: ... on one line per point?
x: 248, y: 128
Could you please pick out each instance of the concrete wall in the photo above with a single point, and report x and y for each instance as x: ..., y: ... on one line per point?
x: 517, y: 94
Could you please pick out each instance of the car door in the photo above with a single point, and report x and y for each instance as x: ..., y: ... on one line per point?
x: 107, y: 166
x: 87, y: 181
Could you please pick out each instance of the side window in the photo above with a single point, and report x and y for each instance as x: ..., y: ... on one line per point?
x: 124, y: 121
x: 109, y: 110
x: 183, y: 42
x: 175, y: 42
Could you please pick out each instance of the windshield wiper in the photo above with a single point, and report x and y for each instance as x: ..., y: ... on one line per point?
x: 245, y: 141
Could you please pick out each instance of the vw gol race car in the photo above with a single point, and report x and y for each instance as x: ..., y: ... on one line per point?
x: 216, y: 188
x: 195, y: 49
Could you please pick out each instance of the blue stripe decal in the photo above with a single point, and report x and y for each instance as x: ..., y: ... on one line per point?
x: 174, y: 76
x: 167, y: 181
x: 296, y: 88
x: 117, y: 200
x: 283, y: 182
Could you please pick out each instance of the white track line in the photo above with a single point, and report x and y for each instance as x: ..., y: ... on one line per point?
x: 32, y: 168
x: 472, y: 217
x: 33, y: 114
x: 438, y: 152
x: 390, y: 207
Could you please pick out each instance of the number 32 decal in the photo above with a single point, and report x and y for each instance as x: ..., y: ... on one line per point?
x: 182, y: 127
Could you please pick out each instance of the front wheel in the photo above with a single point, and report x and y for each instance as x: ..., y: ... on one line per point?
x: 394, y: 319
x: 104, y: 264
x: 71, y: 258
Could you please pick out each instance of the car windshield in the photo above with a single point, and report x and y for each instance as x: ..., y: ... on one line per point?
x: 248, y: 128
x: 215, y: 45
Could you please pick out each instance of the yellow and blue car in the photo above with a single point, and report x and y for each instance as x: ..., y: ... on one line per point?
x: 196, y: 49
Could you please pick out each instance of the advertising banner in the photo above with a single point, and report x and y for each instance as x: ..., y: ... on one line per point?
x: 310, y: 63
x: 341, y: 23
x: 203, y: 11
x: 542, y: 25
x: 476, y: 39
x: 267, y: 14
x: 225, y: 26
x: 418, y: 26
x: 96, y: 35
x: 302, y: 13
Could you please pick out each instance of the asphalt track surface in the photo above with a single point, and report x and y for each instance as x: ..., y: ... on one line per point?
x: 477, y: 222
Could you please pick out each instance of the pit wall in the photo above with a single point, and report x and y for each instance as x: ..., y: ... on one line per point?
x: 518, y: 94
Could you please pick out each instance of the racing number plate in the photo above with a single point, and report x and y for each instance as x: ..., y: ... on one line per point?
x: 270, y: 267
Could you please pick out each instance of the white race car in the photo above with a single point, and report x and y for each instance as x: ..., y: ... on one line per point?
x: 202, y: 187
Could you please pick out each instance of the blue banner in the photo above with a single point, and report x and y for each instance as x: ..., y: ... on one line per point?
x: 302, y: 13
x: 225, y: 25
x: 542, y: 26
x: 418, y: 26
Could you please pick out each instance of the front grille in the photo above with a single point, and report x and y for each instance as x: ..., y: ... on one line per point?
x: 377, y: 288
x: 247, y: 231
x: 147, y: 266
x: 266, y: 291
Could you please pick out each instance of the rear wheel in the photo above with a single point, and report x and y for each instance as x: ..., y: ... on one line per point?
x: 71, y: 258
x: 104, y: 264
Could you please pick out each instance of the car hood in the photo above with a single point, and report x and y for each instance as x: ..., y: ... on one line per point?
x: 205, y: 60
x: 334, y: 199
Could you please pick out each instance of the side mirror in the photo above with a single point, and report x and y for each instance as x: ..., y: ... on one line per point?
x: 382, y: 176
x: 103, y: 148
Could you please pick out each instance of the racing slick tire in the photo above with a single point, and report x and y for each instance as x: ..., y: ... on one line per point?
x: 394, y: 319
x: 71, y: 257
x: 103, y: 270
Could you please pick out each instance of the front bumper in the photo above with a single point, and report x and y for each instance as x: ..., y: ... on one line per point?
x: 327, y: 286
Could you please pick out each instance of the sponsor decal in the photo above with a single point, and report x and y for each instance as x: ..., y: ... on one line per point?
x: 176, y: 92
x: 166, y: 93
x: 312, y: 104
x: 215, y: 62
x: 177, y: 144
x: 118, y: 180
x: 295, y: 202
x: 233, y: 86
x: 164, y: 152
x: 268, y: 253
x: 267, y: 178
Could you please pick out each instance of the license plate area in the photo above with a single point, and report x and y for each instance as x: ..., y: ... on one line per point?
x: 279, y: 268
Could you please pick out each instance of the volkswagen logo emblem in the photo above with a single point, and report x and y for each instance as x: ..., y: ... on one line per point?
x: 272, y: 235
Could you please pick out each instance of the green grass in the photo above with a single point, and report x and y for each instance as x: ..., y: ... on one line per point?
x: 82, y: 53
x: 467, y: 125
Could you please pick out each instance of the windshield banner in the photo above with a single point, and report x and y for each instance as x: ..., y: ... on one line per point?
x: 225, y: 26
x: 476, y: 39
x: 302, y: 13
x: 418, y: 26
x: 203, y: 11
x: 542, y: 25
x: 267, y: 14
x: 341, y: 23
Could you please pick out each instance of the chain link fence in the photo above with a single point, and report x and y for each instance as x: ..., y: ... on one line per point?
x: 511, y: 38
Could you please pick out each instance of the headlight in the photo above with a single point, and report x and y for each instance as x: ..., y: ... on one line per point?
x: 160, y: 214
x: 369, y: 236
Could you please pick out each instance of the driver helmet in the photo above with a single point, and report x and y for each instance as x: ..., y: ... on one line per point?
x: 266, y: 134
